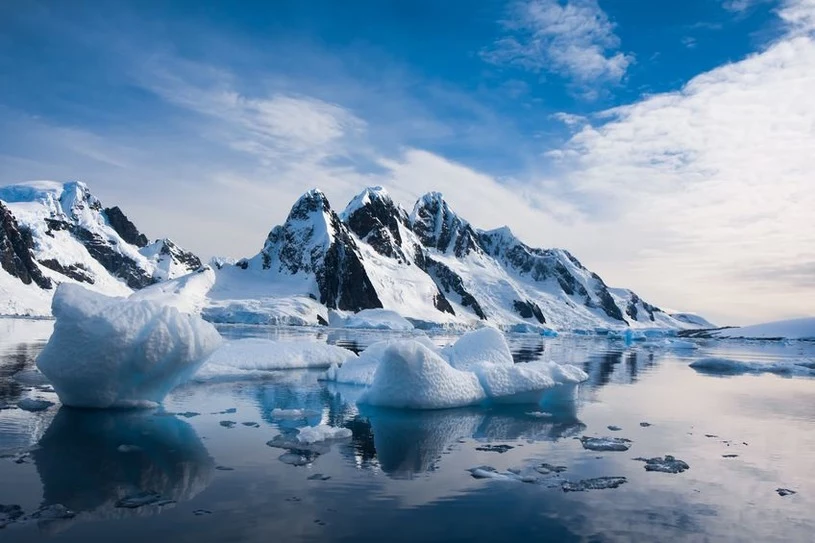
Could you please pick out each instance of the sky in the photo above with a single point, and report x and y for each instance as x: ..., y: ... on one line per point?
x: 669, y: 145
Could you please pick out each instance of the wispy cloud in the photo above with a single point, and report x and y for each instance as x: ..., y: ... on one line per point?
x: 575, y: 39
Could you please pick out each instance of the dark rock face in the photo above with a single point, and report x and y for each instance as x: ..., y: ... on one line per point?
x: 377, y: 223
x: 438, y: 227
x: 126, y: 229
x: 528, y: 309
x: 77, y: 272
x: 335, y: 260
x: 188, y: 259
x: 15, y: 251
x: 116, y: 263
x: 632, y: 311
x: 449, y: 282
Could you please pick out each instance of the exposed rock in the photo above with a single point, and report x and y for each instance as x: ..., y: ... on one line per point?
x: 126, y: 229
x: 528, y: 309
x: 438, y: 227
x: 16, y: 251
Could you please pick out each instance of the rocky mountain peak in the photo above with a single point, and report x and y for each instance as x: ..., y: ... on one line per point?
x: 439, y: 227
x: 375, y: 218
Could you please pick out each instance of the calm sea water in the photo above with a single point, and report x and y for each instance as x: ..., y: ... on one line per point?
x: 403, y: 475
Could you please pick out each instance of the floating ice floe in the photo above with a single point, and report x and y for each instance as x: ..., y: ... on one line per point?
x: 669, y: 464
x: 728, y: 366
x: 34, y: 404
x: 610, y: 444
x: 293, y: 413
x: 597, y: 483
x: 256, y: 357
x: 373, y: 319
x: 415, y: 374
x: 323, y: 432
x: 114, y: 352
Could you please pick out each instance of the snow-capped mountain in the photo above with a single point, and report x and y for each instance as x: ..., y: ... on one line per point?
x: 53, y: 232
x: 430, y: 265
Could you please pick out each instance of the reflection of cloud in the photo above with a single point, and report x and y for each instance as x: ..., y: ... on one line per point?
x: 81, y: 467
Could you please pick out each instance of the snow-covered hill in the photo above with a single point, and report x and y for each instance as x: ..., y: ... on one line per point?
x: 429, y: 265
x: 52, y: 233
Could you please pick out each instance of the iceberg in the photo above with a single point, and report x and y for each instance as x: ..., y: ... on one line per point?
x: 256, y: 357
x: 410, y: 375
x: 483, y: 347
x: 728, y: 366
x: 113, y: 352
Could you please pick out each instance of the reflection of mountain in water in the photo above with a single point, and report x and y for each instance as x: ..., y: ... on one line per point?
x: 606, y: 367
x: 11, y: 362
x: 82, y: 467
x: 406, y: 443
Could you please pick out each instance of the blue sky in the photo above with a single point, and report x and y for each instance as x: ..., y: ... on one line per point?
x: 665, y: 143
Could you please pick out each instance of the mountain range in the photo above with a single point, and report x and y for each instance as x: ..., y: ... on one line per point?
x: 429, y: 265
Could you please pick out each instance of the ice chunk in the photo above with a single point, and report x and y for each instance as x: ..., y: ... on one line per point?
x: 605, y: 443
x: 669, y: 464
x: 411, y: 375
x: 293, y: 413
x: 728, y: 366
x: 34, y: 404
x: 255, y: 356
x: 323, y: 432
x: 375, y: 319
x: 598, y: 483
x: 112, y: 352
x: 478, y: 348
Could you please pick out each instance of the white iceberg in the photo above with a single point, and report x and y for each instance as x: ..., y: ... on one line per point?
x: 374, y: 319
x: 803, y: 328
x: 255, y: 356
x: 410, y: 375
x: 360, y: 370
x: 484, y: 347
x: 114, y: 352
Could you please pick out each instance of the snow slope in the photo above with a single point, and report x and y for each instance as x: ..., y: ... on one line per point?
x: 787, y: 329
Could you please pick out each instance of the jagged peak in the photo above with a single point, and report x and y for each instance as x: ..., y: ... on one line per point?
x: 312, y: 201
x: 365, y: 198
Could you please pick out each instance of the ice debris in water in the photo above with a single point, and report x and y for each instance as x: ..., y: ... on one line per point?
x: 55, y: 511
x: 597, y: 483
x: 278, y: 413
x: 605, y: 443
x: 34, y: 404
x: 318, y: 477
x: 112, y: 352
x: 256, y: 357
x: 414, y: 374
x: 141, y: 499
x: 728, y: 366
x: 614, y: 428
x: 669, y: 464
x: 323, y: 432
x: 489, y: 472
x: 500, y: 449
x: 785, y: 492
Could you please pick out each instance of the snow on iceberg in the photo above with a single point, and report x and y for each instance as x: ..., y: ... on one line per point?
x: 374, y: 319
x: 255, y: 356
x: 478, y: 367
x: 114, y: 352
x: 485, y: 346
x: 360, y: 370
x: 728, y: 366
x: 410, y: 375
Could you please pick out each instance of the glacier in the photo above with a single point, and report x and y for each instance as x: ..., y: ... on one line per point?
x: 113, y: 352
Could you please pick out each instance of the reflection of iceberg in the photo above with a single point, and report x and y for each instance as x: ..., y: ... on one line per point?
x: 83, y: 466
x: 411, y: 442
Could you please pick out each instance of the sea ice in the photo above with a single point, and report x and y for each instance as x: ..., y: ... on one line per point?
x: 293, y: 413
x: 728, y: 366
x: 605, y: 443
x: 34, y: 404
x: 255, y: 357
x: 323, y: 432
x: 669, y: 464
x: 374, y: 319
x: 598, y: 483
x: 410, y: 375
x: 112, y: 352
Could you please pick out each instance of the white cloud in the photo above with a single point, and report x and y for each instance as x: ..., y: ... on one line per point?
x: 575, y: 39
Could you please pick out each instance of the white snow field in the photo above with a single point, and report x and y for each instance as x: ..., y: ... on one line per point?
x: 373, y: 319
x: 256, y: 357
x: 113, y: 352
x: 414, y: 374
x: 787, y: 329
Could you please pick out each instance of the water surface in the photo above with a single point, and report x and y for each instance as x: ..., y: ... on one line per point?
x: 403, y: 475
